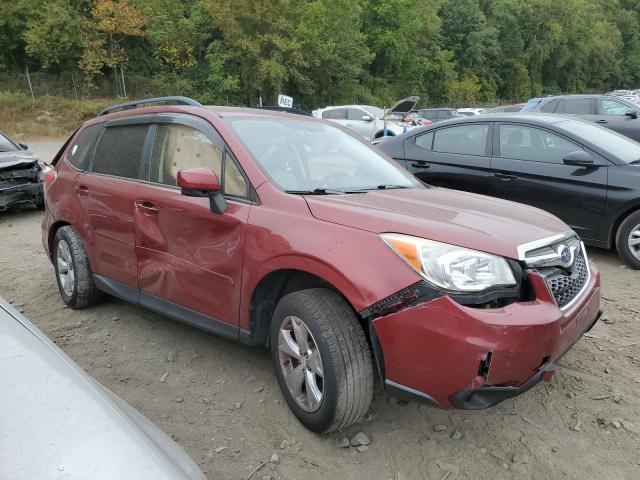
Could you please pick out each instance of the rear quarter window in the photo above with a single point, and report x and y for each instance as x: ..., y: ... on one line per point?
x: 120, y: 151
x: 81, y: 147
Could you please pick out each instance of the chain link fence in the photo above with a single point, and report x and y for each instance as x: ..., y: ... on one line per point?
x: 72, y: 85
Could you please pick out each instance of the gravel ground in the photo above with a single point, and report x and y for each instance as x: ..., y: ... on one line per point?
x: 209, y: 393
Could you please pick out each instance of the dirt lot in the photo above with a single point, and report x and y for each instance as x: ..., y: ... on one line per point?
x: 209, y: 393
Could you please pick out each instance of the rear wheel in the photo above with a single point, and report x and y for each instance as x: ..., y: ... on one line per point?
x: 322, y: 359
x: 73, y: 272
x: 628, y: 240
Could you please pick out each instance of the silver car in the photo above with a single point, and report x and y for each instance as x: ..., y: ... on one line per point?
x: 59, y: 423
x: 369, y: 121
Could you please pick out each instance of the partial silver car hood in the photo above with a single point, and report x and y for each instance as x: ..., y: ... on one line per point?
x: 57, y: 422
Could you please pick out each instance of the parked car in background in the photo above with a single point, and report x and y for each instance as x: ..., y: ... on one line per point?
x: 369, y: 121
x: 21, y: 175
x: 631, y: 95
x: 615, y: 113
x: 516, y: 107
x: 469, y: 112
x: 584, y: 174
x: 293, y: 233
x: 437, y: 114
x: 58, y: 422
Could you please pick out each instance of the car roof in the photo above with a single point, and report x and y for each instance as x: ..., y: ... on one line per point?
x: 435, y: 109
x: 537, y: 118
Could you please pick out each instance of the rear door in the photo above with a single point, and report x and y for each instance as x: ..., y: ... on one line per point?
x: 106, y: 194
x: 187, y: 255
x: 457, y: 156
x: 528, y: 168
x: 612, y: 114
x: 583, y: 107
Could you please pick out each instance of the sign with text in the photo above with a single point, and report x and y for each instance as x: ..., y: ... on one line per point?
x: 285, y: 101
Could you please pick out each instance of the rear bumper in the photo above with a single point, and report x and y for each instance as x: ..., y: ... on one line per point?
x: 442, y: 353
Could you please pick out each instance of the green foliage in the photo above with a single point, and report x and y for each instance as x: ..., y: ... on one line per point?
x: 334, y: 51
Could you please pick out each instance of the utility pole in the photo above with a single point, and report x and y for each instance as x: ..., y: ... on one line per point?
x: 29, y: 82
x: 124, y: 87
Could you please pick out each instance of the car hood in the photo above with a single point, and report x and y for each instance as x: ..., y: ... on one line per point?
x: 57, y: 422
x: 459, y: 218
x: 18, y: 158
x: 404, y: 105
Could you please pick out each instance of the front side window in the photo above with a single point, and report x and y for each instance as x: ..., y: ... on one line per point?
x: 427, y: 114
x: 355, y: 114
x: 527, y: 143
x: 301, y: 156
x: 82, y: 146
x: 335, y: 114
x: 120, y: 151
x: 612, y: 107
x: 179, y: 147
x: 462, y: 139
x: 6, y: 145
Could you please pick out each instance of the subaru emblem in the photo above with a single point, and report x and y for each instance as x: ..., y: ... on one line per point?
x: 564, y: 253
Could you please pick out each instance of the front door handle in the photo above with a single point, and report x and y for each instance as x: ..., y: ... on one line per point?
x: 420, y: 165
x: 505, y: 177
x: 602, y: 120
x: 82, y: 190
x: 147, y: 207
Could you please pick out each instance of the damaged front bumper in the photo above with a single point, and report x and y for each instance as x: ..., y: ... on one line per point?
x: 21, y: 185
x: 451, y: 356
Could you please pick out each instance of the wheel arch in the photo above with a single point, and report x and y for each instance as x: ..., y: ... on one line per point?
x: 52, y: 234
x: 615, y: 226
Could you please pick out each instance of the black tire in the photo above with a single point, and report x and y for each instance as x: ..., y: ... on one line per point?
x: 84, y: 292
x: 630, y: 224
x: 347, y: 383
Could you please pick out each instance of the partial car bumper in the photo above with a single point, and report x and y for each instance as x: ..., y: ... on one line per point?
x: 452, y: 356
x: 15, y: 195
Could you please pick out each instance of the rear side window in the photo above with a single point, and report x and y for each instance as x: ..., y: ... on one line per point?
x: 120, y: 151
x: 82, y: 146
x: 428, y: 114
x: 335, y: 114
x: 550, y: 107
x: 463, y: 139
x: 575, y: 106
x: 425, y: 141
x: 179, y: 147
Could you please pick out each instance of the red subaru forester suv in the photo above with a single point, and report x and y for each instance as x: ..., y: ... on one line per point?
x: 290, y: 232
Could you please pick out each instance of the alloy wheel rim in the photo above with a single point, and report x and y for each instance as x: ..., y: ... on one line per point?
x: 301, y: 363
x: 66, y: 274
x: 634, y: 241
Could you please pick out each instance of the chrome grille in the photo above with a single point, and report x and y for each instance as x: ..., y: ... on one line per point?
x: 565, y: 285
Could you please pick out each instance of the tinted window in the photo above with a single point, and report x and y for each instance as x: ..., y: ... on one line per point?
x: 612, y: 107
x: 355, y: 114
x: 428, y: 114
x: 178, y: 147
x: 425, y: 140
x: 463, y: 139
x: 575, y: 106
x: 549, y: 107
x: 120, y: 151
x: 527, y: 143
x: 335, y: 114
x: 82, y: 146
x: 444, y: 114
x: 609, y: 141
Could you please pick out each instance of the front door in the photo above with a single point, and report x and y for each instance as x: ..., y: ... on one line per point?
x: 528, y: 168
x: 187, y: 255
x: 612, y: 114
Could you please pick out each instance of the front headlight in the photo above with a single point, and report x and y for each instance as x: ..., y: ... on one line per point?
x: 449, y: 266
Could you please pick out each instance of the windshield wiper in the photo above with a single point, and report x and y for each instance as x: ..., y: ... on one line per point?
x: 635, y: 162
x: 382, y: 187
x: 316, y: 191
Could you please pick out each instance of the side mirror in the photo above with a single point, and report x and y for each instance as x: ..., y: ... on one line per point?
x: 631, y: 113
x: 23, y: 146
x: 367, y: 118
x: 203, y: 182
x: 579, y: 158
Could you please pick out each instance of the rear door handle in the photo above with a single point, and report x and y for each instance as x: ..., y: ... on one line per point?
x: 602, y: 120
x: 420, y: 165
x: 82, y: 190
x: 147, y: 207
x: 505, y: 177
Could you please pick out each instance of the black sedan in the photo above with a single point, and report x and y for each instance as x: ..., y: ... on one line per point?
x: 585, y: 174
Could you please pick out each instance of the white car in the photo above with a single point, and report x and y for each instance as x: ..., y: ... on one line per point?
x: 369, y: 121
x: 469, y: 112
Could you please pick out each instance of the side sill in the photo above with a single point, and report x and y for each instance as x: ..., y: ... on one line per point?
x: 169, y: 309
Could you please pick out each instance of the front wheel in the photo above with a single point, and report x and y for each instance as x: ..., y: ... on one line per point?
x: 322, y: 359
x: 628, y: 240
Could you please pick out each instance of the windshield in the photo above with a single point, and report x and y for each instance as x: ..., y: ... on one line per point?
x: 618, y: 145
x: 374, y: 111
x: 302, y: 156
x: 6, y: 145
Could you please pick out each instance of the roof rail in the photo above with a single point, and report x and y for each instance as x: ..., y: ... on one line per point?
x: 137, y: 103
